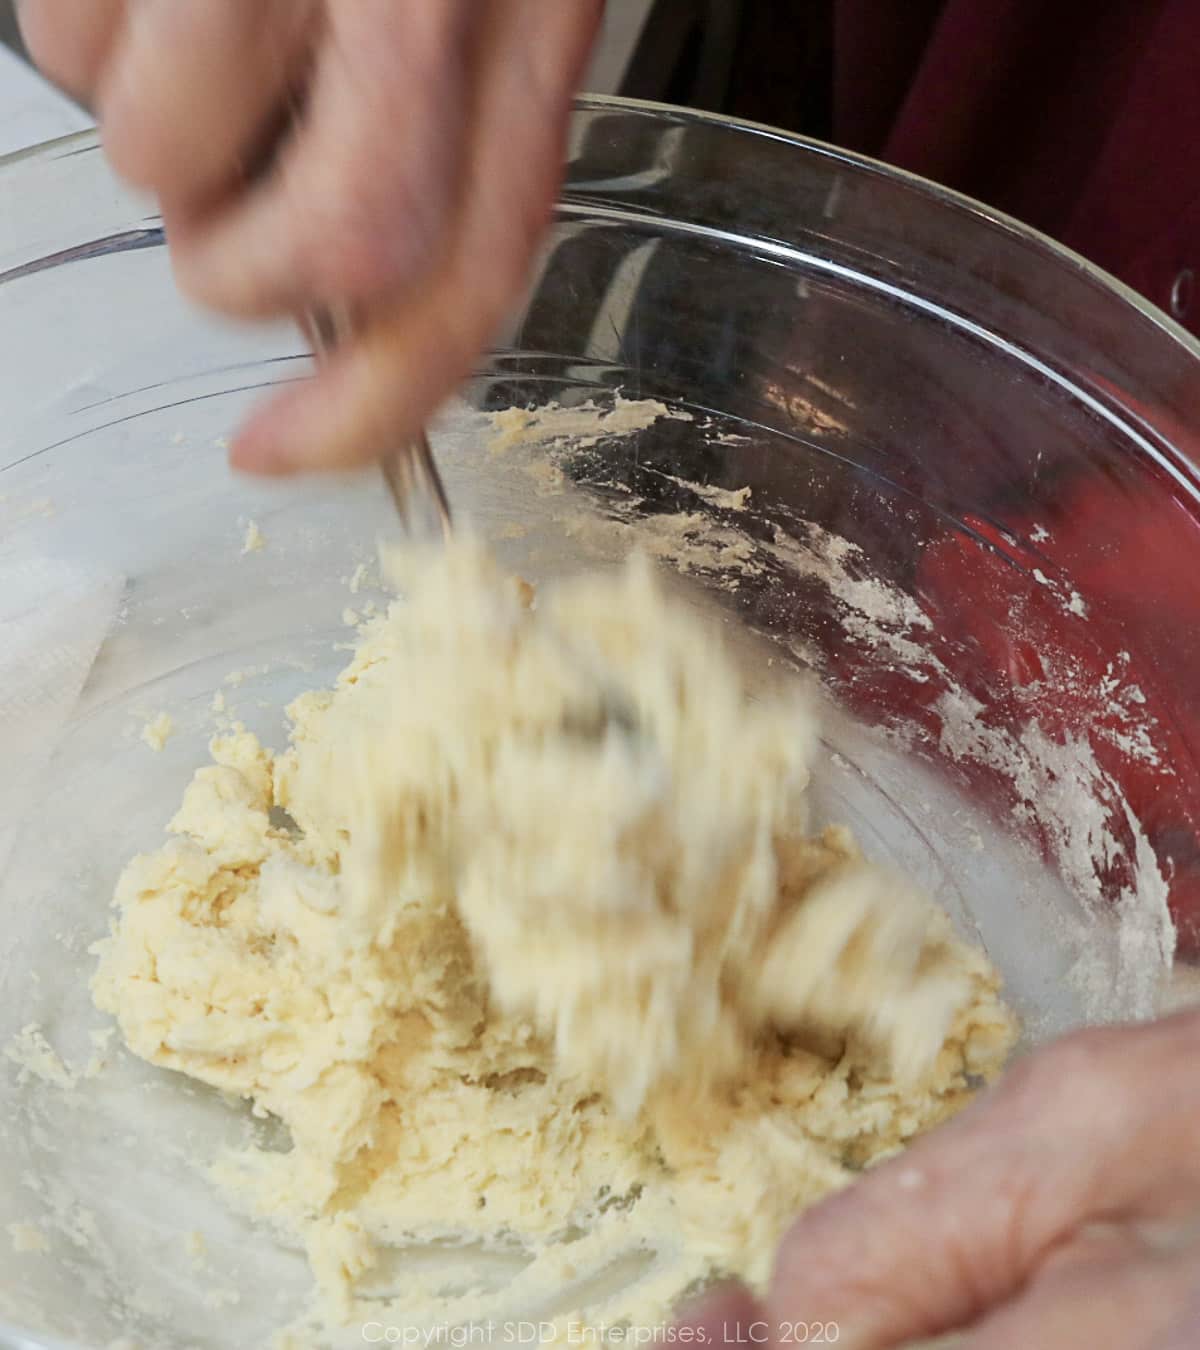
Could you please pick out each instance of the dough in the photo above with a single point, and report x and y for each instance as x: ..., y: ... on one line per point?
x: 525, y: 939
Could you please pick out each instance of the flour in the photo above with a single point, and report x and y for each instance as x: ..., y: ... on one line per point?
x: 1071, y: 600
x: 580, y: 427
x: 689, y: 542
x: 872, y: 611
x: 1090, y: 830
x: 34, y: 1056
x: 726, y: 499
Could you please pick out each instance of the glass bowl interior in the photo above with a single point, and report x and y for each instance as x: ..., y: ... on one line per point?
x: 973, y: 512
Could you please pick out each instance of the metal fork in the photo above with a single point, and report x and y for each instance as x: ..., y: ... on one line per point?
x: 411, y: 473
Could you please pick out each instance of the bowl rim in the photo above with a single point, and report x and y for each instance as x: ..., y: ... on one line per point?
x: 950, y: 197
x: 81, y: 142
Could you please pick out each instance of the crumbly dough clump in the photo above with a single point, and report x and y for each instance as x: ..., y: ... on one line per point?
x: 526, y: 939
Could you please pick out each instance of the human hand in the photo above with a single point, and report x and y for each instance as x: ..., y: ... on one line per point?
x: 412, y: 186
x: 1061, y: 1210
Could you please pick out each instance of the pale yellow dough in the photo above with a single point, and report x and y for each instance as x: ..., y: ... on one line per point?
x: 549, y: 958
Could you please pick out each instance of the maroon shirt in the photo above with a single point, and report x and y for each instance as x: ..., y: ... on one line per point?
x: 1080, y: 117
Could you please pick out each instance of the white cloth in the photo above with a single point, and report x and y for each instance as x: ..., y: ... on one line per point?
x: 54, y: 619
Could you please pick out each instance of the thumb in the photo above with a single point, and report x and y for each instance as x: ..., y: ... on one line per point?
x: 1092, y: 1126
x: 725, y: 1315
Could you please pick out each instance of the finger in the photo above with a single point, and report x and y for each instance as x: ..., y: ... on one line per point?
x: 357, y: 203
x: 196, y: 86
x: 382, y: 389
x: 725, y: 1315
x: 1098, y: 1125
x: 1184, y: 1331
x: 1125, y: 1302
x: 70, y: 40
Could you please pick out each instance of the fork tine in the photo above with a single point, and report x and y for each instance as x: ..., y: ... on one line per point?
x: 417, y: 489
x: 411, y: 473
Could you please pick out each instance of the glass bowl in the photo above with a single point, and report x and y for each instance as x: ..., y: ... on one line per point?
x: 973, y: 511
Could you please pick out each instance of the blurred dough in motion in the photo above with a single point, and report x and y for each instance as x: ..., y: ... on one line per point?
x: 543, y: 947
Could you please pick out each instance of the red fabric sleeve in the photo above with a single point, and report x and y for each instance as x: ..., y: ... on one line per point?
x: 1081, y: 119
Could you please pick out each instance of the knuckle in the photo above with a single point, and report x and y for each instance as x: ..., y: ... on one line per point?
x: 375, y: 201
x: 1096, y: 1246
x: 358, y: 247
x: 1085, y: 1066
x: 342, y: 260
x: 846, y: 1238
